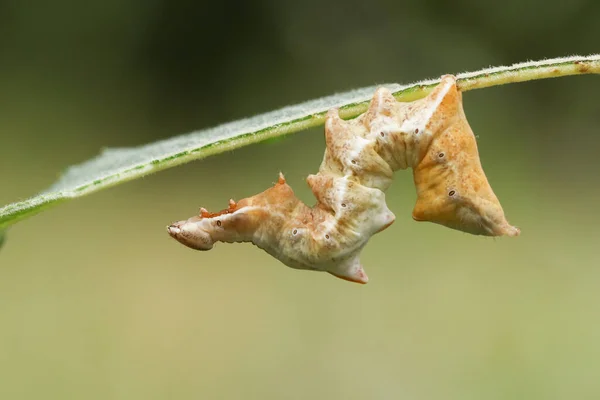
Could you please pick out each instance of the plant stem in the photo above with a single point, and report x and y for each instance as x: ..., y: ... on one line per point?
x: 521, y: 72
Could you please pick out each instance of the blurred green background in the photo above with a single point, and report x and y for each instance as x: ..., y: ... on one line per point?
x: 97, y: 302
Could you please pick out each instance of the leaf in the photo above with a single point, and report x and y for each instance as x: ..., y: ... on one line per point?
x: 118, y: 165
x: 2, y: 237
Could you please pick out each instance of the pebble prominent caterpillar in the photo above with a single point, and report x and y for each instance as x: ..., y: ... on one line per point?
x: 430, y: 135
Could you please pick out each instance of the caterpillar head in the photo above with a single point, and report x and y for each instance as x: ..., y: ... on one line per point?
x: 193, y: 233
x: 452, y: 188
x: 200, y: 232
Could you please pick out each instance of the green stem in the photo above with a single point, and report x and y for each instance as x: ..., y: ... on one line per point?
x: 117, y: 166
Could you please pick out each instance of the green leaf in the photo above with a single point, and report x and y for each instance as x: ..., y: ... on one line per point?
x: 118, y: 165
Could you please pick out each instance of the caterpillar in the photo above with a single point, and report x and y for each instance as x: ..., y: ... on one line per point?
x: 431, y: 135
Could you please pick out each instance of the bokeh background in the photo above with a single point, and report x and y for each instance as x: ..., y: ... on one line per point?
x: 97, y: 302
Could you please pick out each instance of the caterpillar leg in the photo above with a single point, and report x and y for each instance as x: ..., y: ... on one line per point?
x: 351, y: 270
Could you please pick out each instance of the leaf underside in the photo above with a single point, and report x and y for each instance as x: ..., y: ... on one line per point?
x: 117, y: 165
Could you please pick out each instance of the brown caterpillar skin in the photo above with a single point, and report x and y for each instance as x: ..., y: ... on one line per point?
x: 452, y: 188
x: 430, y: 135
